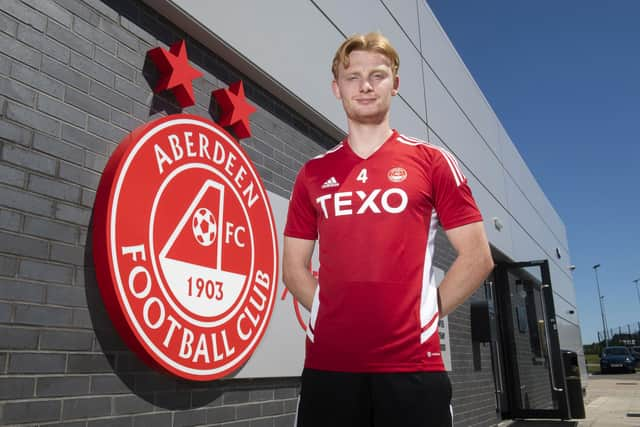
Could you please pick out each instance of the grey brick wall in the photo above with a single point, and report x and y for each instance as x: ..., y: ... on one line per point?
x: 74, y: 80
x: 474, y: 402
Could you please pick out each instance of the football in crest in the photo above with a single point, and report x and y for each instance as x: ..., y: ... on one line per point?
x: 204, y: 227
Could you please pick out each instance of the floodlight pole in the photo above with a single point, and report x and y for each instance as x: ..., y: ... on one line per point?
x: 637, y: 290
x: 604, y: 322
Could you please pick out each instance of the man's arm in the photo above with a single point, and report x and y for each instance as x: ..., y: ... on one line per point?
x: 470, y: 268
x: 296, y: 273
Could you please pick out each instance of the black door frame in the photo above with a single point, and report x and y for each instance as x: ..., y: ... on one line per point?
x: 497, y: 364
x: 505, y: 321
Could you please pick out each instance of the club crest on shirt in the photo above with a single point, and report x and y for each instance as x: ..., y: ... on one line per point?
x: 397, y: 174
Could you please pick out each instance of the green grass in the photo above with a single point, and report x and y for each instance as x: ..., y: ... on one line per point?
x: 592, y: 358
x: 593, y: 363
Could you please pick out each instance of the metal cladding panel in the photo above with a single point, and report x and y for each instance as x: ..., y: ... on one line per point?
x: 523, y: 211
x: 373, y: 16
x: 445, y: 62
x: 490, y: 208
x: 563, y: 283
x: 287, y: 349
x: 405, y: 12
x: 543, y: 208
x: 541, y: 245
x: 524, y: 247
x: 453, y: 128
x: 289, y: 40
x: 406, y: 121
x: 546, y: 211
x: 531, y: 216
x: 564, y: 309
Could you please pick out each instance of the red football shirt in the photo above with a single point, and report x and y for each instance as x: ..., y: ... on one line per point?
x: 375, y: 308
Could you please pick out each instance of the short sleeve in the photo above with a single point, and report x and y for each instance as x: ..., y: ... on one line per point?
x: 453, y: 200
x: 302, y: 217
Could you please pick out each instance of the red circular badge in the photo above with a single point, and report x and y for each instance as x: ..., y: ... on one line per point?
x: 397, y: 174
x: 185, y: 247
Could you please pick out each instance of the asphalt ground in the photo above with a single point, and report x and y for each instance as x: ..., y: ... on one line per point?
x: 612, y: 400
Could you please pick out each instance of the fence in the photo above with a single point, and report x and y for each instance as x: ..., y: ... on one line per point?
x: 628, y: 335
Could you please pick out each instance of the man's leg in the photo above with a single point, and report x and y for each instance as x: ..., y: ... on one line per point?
x: 416, y: 399
x: 334, y: 399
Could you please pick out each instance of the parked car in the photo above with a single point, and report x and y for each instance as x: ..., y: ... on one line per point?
x: 635, y: 351
x: 617, y: 357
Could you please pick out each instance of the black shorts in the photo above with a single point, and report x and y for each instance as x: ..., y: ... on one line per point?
x: 335, y: 399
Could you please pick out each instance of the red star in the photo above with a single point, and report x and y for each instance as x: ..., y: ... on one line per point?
x: 235, y: 109
x: 175, y: 72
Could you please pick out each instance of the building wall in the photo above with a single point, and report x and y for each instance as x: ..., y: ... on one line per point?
x: 74, y: 80
x: 471, y: 376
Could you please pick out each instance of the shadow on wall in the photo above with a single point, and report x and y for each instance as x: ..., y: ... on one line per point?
x: 164, y: 102
x: 155, y: 387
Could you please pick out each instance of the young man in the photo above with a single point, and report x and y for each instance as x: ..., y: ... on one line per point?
x: 374, y: 202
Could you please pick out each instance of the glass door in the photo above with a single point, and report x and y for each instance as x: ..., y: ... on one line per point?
x: 534, y: 378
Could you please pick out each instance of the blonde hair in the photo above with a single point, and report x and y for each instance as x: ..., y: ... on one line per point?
x: 373, y: 41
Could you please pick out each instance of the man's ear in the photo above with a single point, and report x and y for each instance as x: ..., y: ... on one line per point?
x: 335, y: 89
x: 396, y: 85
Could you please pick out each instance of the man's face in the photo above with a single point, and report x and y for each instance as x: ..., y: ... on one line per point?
x: 366, y: 87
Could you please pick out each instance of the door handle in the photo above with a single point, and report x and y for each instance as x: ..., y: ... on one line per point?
x: 546, y: 336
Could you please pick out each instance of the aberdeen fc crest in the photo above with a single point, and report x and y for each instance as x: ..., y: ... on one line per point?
x: 185, y: 247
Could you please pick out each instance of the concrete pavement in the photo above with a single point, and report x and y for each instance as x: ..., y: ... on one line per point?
x: 611, y: 401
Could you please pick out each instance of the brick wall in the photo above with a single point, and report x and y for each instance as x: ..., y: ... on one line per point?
x: 74, y: 80
x: 474, y: 402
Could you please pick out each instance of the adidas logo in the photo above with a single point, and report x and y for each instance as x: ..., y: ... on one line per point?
x: 331, y: 182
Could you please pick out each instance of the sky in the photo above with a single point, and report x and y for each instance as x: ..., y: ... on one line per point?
x: 563, y: 77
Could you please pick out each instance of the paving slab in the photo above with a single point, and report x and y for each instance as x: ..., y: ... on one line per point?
x: 611, y: 401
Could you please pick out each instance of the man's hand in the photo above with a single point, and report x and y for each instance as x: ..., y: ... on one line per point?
x: 471, y: 267
x: 296, y: 273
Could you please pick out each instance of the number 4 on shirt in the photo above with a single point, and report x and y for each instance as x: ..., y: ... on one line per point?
x: 362, y: 176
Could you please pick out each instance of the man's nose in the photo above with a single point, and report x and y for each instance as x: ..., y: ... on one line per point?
x: 365, y: 86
